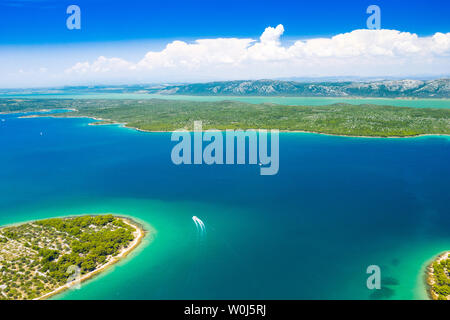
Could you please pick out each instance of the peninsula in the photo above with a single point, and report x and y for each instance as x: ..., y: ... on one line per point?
x: 41, y: 258
x: 169, y: 115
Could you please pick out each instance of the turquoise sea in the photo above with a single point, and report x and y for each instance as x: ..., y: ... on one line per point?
x: 337, y: 205
x: 307, y: 101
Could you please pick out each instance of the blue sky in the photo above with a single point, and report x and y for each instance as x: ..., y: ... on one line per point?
x: 34, y: 35
x: 43, y: 22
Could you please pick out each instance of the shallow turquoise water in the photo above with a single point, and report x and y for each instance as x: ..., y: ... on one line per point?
x: 310, y: 101
x: 337, y: 205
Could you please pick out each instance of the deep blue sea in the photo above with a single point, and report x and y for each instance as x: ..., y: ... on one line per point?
x: 337, y: 205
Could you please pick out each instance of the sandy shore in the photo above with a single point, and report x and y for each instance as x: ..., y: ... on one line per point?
x: 430, y: 274
x: 288, y: 131
x: 139, y: 234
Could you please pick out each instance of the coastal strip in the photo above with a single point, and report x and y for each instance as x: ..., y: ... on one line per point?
x: 340, y: 119
x: 101, y: 121
x: 139, y: 234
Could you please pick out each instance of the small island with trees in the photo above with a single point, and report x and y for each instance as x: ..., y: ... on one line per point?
x: 438, y: 277
x: 41, y: 258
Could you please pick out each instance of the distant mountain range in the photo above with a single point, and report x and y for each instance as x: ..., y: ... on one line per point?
x: 439, y: 88
x: 388, y: 88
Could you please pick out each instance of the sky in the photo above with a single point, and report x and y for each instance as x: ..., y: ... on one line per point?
x: 194, y: 41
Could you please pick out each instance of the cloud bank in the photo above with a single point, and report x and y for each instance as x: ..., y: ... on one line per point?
x: 360, y: 52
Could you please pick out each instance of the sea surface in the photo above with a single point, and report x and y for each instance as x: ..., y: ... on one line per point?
x: 337, y: 206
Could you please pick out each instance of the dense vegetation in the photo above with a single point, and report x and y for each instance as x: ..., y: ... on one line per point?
x: 168, y: 115
x: 441, y: 277
x: 35, y: 257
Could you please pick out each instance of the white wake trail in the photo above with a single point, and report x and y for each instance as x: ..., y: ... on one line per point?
x: 199, y: 223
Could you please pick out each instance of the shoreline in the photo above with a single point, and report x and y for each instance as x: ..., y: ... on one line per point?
x: 124, y: 125
x: 429, y: 274
x: 139, y: 235
x: 36, y: 111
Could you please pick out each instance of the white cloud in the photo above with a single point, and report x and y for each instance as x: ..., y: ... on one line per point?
x: 272, y: 35
x: 101, y: 65
x: 360, y: 52
x: 366, y: 43
x: 201, y: 53
x: 440, y: 43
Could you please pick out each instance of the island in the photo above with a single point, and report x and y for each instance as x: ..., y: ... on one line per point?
x: 41, y: 258
x: 365, y: 120
x: 438, y: 277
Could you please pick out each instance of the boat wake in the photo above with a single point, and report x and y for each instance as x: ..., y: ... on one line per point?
x: 201, y: 228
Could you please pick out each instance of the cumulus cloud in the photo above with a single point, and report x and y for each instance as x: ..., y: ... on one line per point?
x: 201, y: 53
x: 360, y: 52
